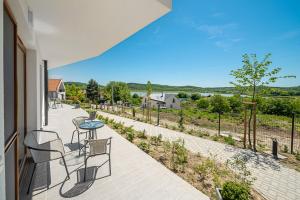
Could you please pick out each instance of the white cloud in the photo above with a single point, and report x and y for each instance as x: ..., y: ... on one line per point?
x: 215, y: 31
x: 289, y: 34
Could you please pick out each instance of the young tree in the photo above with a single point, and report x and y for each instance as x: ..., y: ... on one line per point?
x: 202, y: 103
x: 252, y: 78
x: 92, y: 90
x: 181, y: 120
x: 235, y: 103
x: 149, y: 91
x: 219, y: 104
x: 117, y: 91
x: 136, y: 99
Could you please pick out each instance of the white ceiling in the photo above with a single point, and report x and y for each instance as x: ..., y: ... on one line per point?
x: 68, y: 31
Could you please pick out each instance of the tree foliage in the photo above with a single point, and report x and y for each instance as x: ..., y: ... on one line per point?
x: 120, y: 92
x: 136, y: 100
x: 182, y: 95
x: 74, y: 93
x: 203, y: 103
x: 219, y: 104
x: 92, y: 90
x: 254, y: 75
x: 236, y: 103
x: 195, y: 96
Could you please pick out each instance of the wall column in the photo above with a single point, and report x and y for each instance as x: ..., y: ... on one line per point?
x: 34, y: 104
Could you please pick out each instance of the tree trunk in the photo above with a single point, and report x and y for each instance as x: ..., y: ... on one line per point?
x: 250, y: 119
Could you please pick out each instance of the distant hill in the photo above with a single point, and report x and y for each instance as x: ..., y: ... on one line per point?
x: 191, y: 89
x: 275, y: 91
x: 77, y: 84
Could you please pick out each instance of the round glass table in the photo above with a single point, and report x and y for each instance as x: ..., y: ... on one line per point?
x: 91, y: 126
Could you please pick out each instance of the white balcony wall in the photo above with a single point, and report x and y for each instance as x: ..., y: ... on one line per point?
x: 34, y: 92
x: 2, y: 173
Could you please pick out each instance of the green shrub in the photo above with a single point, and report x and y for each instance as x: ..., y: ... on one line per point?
x: 285, y: 149
x: 235, y: 191
x: 297, y: 155
x: 179, y: 154
x: 130, y: 136
x: 142, y: 134
x: 215, y: 138
x: 144, y: 146
x: 117, y: 125
x: 166, y: 146
x: 126, y: 130
x: 156, y: 140
x: 209, y: 169
x: 202, y: 134
x: 203, y: 103
x: 229, y: 140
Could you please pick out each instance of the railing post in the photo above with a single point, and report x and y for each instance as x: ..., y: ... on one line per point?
x: 254, y: 128
x: 245, y: 128
x: 158, y: 109
x: 46, y: 91
x: 293, y: 133
x: 219, y: 130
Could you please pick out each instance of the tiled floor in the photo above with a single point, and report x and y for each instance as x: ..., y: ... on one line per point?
x: 135, y: 175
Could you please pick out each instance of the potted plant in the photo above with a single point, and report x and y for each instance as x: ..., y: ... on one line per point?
x: 76, y: 104
x: 233, y: 191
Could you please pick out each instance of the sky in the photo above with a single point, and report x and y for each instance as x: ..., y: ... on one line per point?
x: 198, y: 43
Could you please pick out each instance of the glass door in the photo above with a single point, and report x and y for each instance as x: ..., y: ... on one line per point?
x: 21, y: 83
x: 10, y: 105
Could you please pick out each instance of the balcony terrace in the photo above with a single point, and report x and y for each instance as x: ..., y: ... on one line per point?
x: 135, y: 175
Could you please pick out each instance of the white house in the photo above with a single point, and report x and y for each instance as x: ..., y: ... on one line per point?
x: 164, y: 100
x: 37, y: 35
x: 56, y: 89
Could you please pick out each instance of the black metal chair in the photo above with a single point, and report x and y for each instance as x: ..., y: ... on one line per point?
x: 44, y: 150
x: 96, y: 148
x: 77, y: 121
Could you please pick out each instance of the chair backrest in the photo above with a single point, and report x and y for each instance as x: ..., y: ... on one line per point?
x: 31, y: 142
x: 100, y: 146
x: 78, y: 120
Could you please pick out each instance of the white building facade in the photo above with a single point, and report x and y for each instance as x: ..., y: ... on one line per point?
x: 164, y: 100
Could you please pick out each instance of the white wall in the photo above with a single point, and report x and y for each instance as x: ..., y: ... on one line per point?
x: 2, y: 172
x: 34, y: 104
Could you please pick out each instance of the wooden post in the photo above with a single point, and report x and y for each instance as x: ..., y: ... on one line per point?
x: 158, y: 107
x: 293, y: 133
x: 219, y: 130
x: 245, y: 127
x: 254, y: 127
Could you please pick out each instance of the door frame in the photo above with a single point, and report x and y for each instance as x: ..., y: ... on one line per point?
x: 22, y: 47
x: 12, y: 142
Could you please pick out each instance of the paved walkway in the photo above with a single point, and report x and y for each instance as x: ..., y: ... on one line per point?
x: 135, y: 175
x: 273, y: 180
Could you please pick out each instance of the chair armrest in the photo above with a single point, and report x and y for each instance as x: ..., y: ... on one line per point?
x: 51, y: 136
x: 45, y: 131
x: 54, y: 146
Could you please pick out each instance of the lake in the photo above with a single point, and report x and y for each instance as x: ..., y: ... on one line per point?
x: 142, y: 93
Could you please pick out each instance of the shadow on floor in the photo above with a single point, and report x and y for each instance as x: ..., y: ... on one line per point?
x: 81, y: 186
x: 259, y: 160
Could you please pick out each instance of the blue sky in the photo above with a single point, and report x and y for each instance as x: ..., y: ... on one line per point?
x: 198, y: 43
